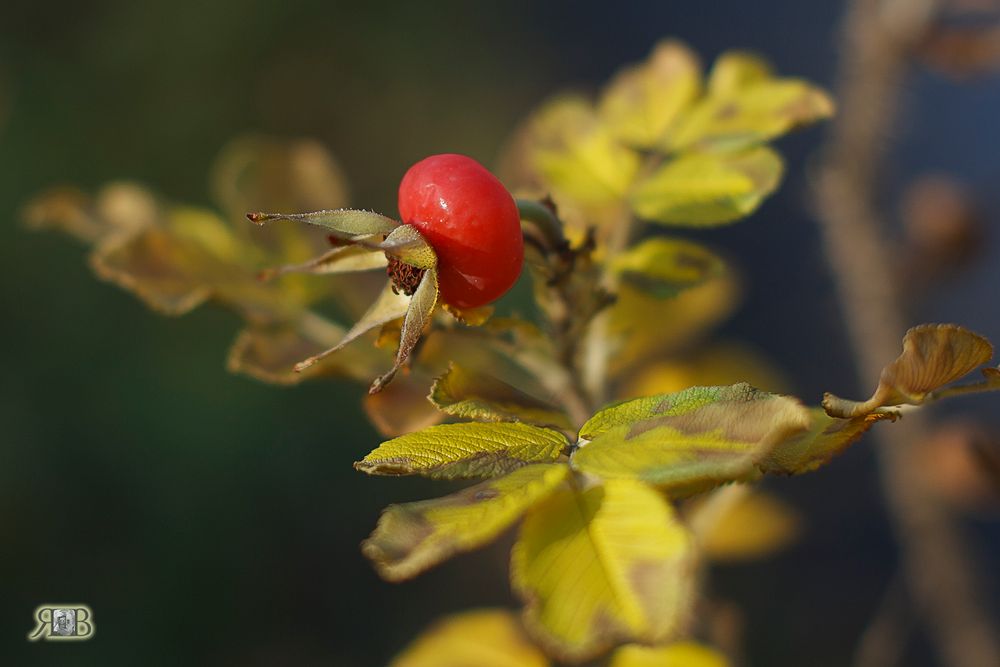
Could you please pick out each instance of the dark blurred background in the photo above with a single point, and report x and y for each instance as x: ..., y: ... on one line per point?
x: 210, y: 519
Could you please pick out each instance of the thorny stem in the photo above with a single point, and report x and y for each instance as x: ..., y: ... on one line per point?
x: 940, y: 573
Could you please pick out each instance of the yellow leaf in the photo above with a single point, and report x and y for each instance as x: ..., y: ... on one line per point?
x: 642, y: 327
x: 734, y: 71
x: 757, y: 525
x: 257, y: 173
x: 468, y: 449
x: 473, y: 395
x: 413, y: 537
x: 576, y: 157
x: 933, y: 355
x: 742, y: 115
x: 704, y: 189
x: 689, y: 441
x: 711, y: 364
x: 643, y: 100
x: 681, y: 654
x: 664, y: 267
x: 603, y: 566
x: 479, y: 638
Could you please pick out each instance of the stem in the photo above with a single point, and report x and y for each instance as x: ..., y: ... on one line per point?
x: 939, y: 572
x: 544, y: 219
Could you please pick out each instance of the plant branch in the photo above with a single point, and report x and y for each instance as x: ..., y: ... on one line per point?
x: 939, y: 572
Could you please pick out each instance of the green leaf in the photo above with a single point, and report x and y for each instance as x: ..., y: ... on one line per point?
x: 601, y: 566
x: 388, y: 307
x: 464, y: 393
x: 467, y: 449
x: 689, y: 441
x: 413, y: 537
x: 478, y: 638
x: 665, y: 267
x: 704, y: 189
x: 749, y: 112
x: 933, y: 355
x: 643, y: 100
x: 418, y: 316
x: 681, y: 654
x: 346, y: 223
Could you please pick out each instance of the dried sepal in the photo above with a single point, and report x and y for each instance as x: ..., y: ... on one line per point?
x: 346, y: 223
x: 419, y: 314
x: 342, y: 259
x: 389, y: 306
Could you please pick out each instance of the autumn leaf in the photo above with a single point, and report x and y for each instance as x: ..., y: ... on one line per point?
x: 413, y: 537
x: 691, y: 441
x: 601, y: 566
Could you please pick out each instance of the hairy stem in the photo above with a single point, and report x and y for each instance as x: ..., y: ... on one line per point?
x: 940, y: 573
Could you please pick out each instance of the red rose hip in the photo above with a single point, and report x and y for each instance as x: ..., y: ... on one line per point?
x: 471, y: 221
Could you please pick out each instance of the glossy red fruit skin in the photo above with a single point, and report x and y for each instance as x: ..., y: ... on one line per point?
x: 471, y: 221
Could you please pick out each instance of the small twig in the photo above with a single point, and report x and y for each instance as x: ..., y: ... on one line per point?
x: 885, y: 638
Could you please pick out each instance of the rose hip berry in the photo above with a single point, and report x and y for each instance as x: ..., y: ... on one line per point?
x: 472, y: 223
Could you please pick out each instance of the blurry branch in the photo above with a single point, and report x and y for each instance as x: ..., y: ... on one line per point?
x: 884, y: 639
x: 939, y: 572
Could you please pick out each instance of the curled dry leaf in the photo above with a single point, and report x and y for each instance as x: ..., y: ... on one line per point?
x: 934, y: 355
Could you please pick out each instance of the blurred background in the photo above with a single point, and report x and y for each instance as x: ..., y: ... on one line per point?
x: 210, y: 519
